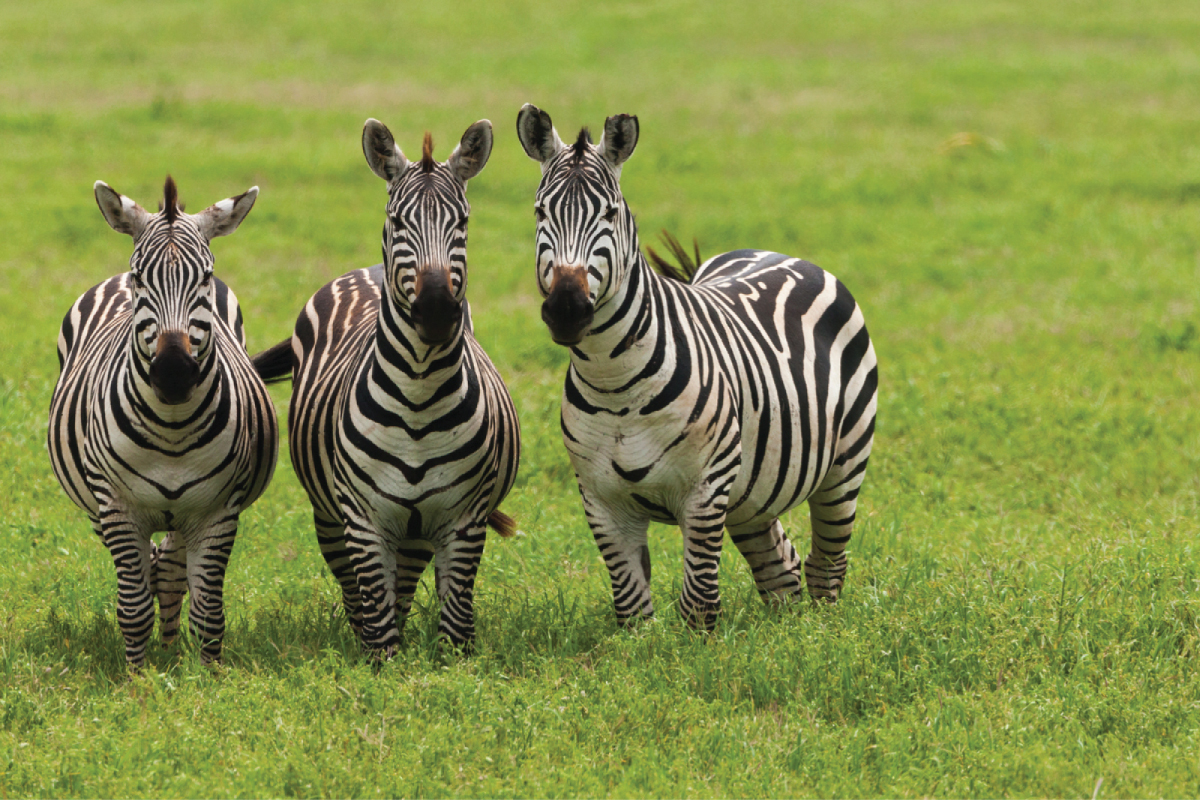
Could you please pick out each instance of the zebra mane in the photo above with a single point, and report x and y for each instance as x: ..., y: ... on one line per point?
x: 427, y: 161
x: 582, y: 142
x: 170, y: 201
x: 685, y: 270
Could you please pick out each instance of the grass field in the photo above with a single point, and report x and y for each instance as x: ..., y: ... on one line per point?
x: 1012, y: 192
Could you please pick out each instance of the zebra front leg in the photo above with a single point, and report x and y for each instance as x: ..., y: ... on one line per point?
x: 772, y: 558
x: 703, y: 534
x: 374, y: 565
x: 456, y: 564
x: 411, y: 561
x: 207, y: 561
x: 132, y: 555
x: 331, y: 537
x: 170, y: 583
x: 621, y: 538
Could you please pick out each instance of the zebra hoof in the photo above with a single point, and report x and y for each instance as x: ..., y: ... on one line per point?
x: 702, y: 617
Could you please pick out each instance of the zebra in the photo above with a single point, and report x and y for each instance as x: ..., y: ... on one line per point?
x: 715, y: 404
x: 400, y: 428
x: 159, y: 422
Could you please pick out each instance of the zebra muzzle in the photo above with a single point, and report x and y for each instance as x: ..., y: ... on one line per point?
x: 436, y: 311
x: 174, y: 372
x: 568, y: 310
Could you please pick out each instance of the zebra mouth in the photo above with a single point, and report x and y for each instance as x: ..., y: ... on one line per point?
x: 174, y: 372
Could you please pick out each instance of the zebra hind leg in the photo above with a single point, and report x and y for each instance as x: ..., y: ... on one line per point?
x: 331, y: 537
x: 456, y: 564
x: 772, y: 559
x: 832, y: 509
x: 170, y: 583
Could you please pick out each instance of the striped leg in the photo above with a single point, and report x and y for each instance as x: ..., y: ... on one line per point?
x: 331, y: 536
x: 456, y: 565
x: 375, y: 565
x: 132, y: 554
x: 411, y: 561
x: 832, y: 509
x: 207, y: 561
x: 622, y: 543
x: 703, y: 534
x: 170, y: 583
x: 772, y: 559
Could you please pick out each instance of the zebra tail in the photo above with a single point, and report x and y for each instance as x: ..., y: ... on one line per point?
x: 274, y: 365
x: 502, y: 523
x: 685, y: 270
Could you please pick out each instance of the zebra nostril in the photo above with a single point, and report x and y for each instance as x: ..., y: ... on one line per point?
x: 174, y: 372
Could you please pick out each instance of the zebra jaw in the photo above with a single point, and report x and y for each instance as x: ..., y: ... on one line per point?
x: 174, y: 372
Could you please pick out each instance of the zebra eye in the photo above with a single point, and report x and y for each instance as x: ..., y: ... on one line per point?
x: 611, y: 214
x: 540, y: 213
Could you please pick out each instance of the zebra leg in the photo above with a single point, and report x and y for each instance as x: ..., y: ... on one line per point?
x: 832, y: 509
x: 375, y: 565
x: 132, y: 555
x: 456, y: 563
x: 207, y: 560
x: 411, y: 561
x: 331, y: 536
x: 703, y: 535
x: 772, y: 559
x: 170, y: 583
x: 622, y: 542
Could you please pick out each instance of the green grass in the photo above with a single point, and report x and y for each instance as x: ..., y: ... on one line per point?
x: 1022, y: 614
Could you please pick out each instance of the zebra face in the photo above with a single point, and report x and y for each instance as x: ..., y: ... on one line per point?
x: 585, y: 233
x: 171, y: 284
x: 425, y: 232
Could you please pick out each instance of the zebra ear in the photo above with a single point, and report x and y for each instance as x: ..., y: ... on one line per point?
x: 223, y: 218
x: 537, y: 134
x: 121, y: 213
x: 383, y: 154
x: 619, y: 139
x: 471, y: 155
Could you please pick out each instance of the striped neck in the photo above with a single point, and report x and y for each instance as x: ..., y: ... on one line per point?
x: 401, y: 358
x: 136, y: 382
x: 624, y: 339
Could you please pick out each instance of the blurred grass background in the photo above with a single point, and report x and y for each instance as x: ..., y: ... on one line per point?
x: 1012, y: 192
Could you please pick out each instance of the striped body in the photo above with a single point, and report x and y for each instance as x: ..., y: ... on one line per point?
x: 715, y: 404
x: 405, y: 446
x: 137, y: 465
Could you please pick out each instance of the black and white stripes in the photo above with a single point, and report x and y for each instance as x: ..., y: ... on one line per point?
x: 159, y: 422
x: 401, y: 430
x: 718, y: 404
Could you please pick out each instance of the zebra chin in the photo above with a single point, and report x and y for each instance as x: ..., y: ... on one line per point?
x: 174, y: 373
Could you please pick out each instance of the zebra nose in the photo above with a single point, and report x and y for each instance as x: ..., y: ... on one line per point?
x: 435, y: 311
x: 568, y: 310
x: 174, y: 372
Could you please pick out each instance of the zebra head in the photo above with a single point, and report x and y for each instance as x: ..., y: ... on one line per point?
x: 170, y: 275
x: 586, y: 237
x: 425, y: 233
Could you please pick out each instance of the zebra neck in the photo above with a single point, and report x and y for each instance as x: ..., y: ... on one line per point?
x: 628, y: 337
x: 137, y: 388
x: 400, y: 357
